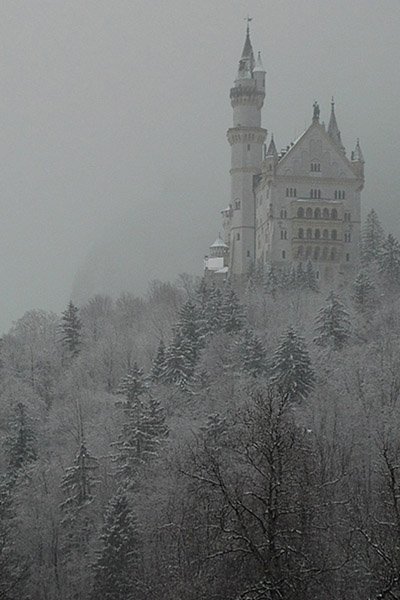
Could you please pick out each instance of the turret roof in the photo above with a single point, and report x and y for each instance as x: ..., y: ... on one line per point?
x: 357, y: 155
x: 272, y: 148
x: 219, y: 243
x: 246, y: 63
x: 259, y: 65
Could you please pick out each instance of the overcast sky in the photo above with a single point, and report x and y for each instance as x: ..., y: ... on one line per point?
x: 114, y: 159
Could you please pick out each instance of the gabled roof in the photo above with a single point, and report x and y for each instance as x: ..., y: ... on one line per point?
x: 321, y: 129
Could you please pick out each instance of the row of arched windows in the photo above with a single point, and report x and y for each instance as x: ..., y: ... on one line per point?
x: 317, y: 234
x: 316, y: 253
x: 317, y: 214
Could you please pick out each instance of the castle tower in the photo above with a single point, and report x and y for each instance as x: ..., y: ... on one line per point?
x: 246, y: 139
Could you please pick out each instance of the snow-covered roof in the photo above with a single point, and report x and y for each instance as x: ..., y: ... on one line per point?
x: 219, y: 243
x: 259, y: 65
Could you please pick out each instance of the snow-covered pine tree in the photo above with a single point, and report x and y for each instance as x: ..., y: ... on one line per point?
x: 132, y: 385
x: 389, y: 259
x: 301, y: 279
x: 116, y: 567
x: 233, y: 313
x: 214, y: 430
x: 364, y: 291
x: 291, y: 369
x: 253, y: 355
x: 20, y: 443
x: 80, y: 479
x: 191, y: 327
x: 272, y: 279
x: 213, y: 311
x: 157, y: 367
x: 179, y: 362
x: 310, y: 278
x: 71, y: 326
x: 154, y: 425
x: 372, y: 238
x: 332, y: 324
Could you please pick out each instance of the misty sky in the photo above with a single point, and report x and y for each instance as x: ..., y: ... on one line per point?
x: 114, y: 159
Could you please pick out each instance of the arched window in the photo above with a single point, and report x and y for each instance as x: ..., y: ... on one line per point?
x: 316, y: 253
x: 325, y: 213
x: 309, y: 234
x: 309, y: 213
x: 300, y: 212
x: 324, y: 253
x: 333, y: 254
x: 300, y: 251
x: 308, y: 251
x: 334, y: 213
x: 317, y: 213
x: 301, y: 233
x: 325, y: 234
x: 317, y: 234
x: 334, y: 234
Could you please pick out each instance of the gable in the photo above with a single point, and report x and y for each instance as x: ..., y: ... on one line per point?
x: 315, y: 147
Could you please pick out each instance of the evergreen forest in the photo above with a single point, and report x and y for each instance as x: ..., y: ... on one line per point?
x: 207, y: 442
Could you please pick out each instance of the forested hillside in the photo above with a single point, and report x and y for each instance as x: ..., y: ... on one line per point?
x: 205, y: 443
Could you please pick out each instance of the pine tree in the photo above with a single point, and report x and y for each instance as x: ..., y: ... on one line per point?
x: 116, y: 567
x: 157, y: 367
x: 20, y: 444
x: 132, y: 385
x: 332, y: 324
x: 190, y: 327
x: 213, y: 311
x: 79, y: 480
x: 179, y: 362
x: 301, y: 276
x: 253, y: 356
x: 272, y: 280
x: 389, y: 259
x: 364, y: 291
x: 310, y: 278
x: 71, y: 327
x: 291, y: 369
x: 233, y: 314
x: 372, y: 238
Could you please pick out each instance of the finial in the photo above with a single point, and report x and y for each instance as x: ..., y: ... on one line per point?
x: 248, y: 19
x: 333, y: 103
x: 316, y: 111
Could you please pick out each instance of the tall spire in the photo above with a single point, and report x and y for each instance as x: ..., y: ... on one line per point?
x: 246, y: 63
x: 333, y: 129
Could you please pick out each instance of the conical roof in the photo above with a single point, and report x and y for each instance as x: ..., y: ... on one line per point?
x: 272, y: 151
x: 219, y: 243
x: 246, y: 63
x: 333, y: 129
x: 259, y: 65
x: 357, y: 155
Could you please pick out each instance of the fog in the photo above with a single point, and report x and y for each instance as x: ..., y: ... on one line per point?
x: 114, y: 159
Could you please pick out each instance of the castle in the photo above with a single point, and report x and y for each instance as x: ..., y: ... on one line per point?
x: 297, y: 205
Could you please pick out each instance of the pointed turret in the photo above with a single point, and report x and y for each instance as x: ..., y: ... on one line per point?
x: 259, y: 67
x: 333, y: 129
x: 246, y: 63
x: 357, y: 155
x: 272, y: 151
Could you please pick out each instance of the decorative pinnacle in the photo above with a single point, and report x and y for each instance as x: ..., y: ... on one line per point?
x: 248, y: 19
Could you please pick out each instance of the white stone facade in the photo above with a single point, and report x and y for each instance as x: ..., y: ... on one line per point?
x: 301, y: 204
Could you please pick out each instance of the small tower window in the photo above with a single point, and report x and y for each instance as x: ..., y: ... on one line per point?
x: 237, y: 204
x: 283, y: 254
x: 248, y: 146
x: 347, y: 257
x: 238, y: 237
x: 248, y: 253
